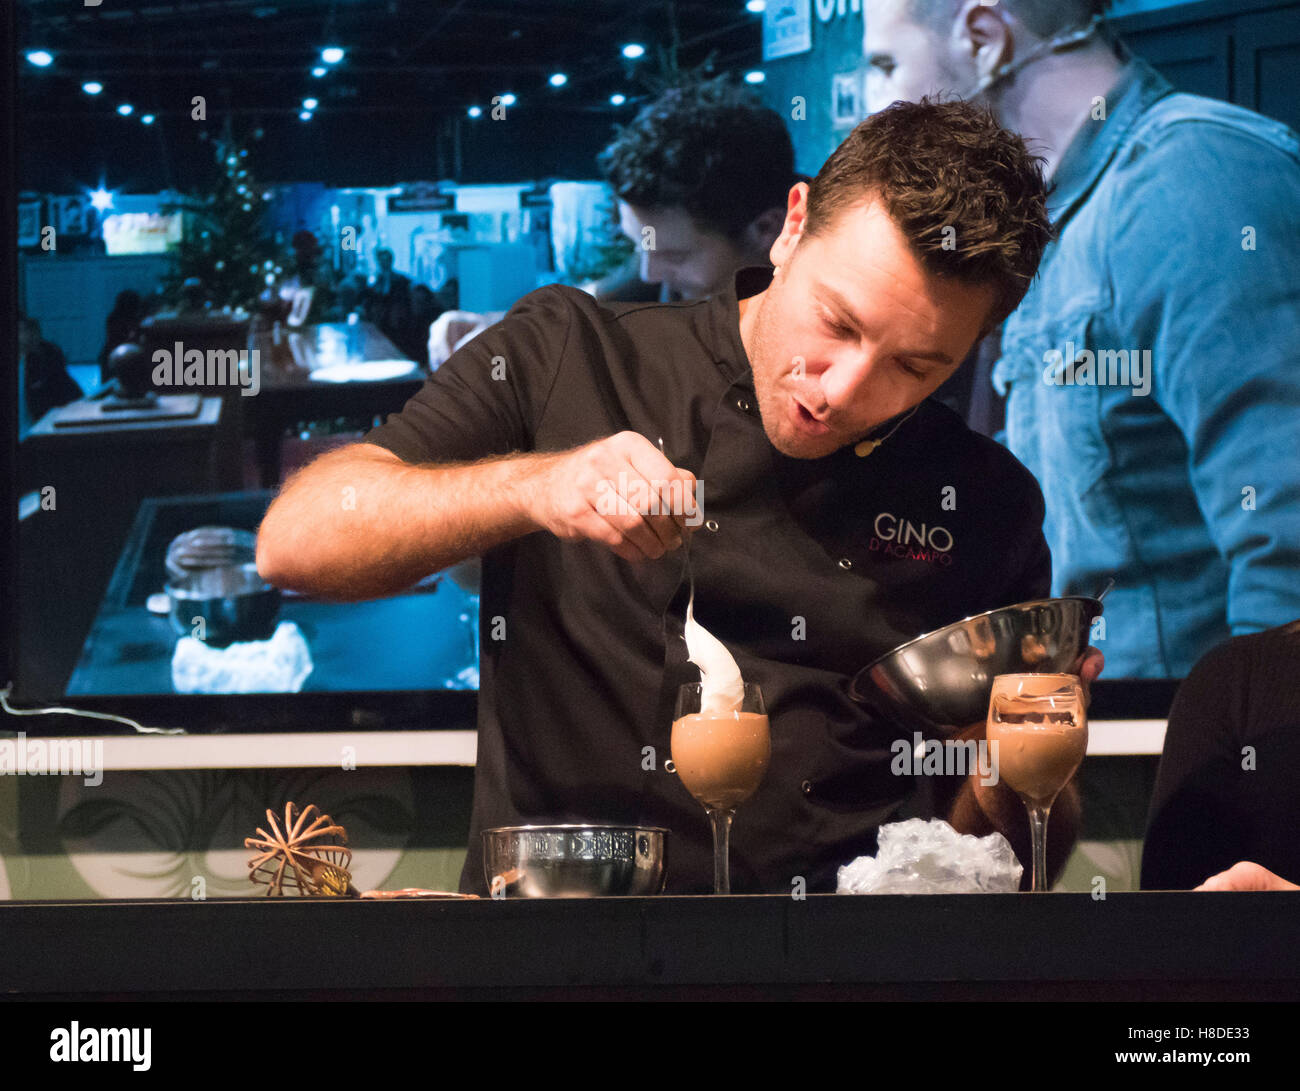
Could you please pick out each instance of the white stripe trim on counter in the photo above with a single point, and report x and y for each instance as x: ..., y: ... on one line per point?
x: 324, y: 749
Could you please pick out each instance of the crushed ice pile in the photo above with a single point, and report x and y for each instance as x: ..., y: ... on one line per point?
x: 278, y: 665
x: 930, y: 857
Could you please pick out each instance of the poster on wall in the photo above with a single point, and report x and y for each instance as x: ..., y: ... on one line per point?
x: 72, y: 215
x: 141, y: 232
x: 422, y: 197
x: 846, y: 100
x: 29, y: 223
x: 787, y: 28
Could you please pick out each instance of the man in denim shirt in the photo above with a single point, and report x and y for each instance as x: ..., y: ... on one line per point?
x: 1151, y: 371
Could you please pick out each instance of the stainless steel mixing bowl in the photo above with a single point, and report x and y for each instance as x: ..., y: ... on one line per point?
x: 945, y: 677
x: 574, y: 861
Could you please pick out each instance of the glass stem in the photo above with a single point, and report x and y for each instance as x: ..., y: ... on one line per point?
x: 721, y: 822
x: 1038, y: 833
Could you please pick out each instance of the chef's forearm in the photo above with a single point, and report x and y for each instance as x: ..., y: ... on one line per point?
x: 360, y: 523
x: 986, y: 809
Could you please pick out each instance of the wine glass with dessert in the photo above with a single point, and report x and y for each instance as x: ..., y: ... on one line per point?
x: 721, y: 749
x: 1038, y: 733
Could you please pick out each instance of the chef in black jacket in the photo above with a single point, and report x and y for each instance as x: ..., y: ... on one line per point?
x: 837, y: 512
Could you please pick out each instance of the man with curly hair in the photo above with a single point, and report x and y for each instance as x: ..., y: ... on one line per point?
x: 835, y: 511
x: 701, y: 177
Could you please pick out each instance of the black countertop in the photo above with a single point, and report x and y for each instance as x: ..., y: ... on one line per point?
x: 1127, y: 946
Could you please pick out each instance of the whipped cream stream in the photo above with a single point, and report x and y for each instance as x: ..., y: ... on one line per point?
x: 722, y: 689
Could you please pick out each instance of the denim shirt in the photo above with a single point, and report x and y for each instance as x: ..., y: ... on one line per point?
x: 1177, y: 224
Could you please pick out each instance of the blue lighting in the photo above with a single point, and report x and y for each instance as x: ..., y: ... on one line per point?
x: 147, y: 119
x: 319, y: 71
x: 633, y: 50
x: 475, y: 111
x: 42, y: 58
x: 755, y: 76
x: 92, y: 87
x: 331, y: 54
x: 305, y: 116
x: 126, y: 109
x: 309, y: 103
x: 559, y: 79
x: 617, y: 100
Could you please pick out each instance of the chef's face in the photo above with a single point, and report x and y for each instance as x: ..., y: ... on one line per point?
x: 853, y: 329
x: 906, y: 60
x: 675, y: 250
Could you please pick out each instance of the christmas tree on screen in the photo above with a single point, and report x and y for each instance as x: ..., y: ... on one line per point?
x: 227, y: 246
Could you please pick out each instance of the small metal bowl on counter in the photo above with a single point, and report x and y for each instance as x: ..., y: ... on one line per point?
x: 944, y: 678
x: 235, y: 604
x: 574, y: 861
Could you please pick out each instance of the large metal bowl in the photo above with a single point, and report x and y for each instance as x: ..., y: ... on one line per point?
x: 574, y: 861
x: 944, y: 678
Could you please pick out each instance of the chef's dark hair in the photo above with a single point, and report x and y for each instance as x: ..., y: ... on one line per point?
x: 965, y: 193
x: 1043, y: 18
x: 708, y: 147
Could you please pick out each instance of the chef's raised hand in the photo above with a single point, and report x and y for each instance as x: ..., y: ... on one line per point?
x: 620, y: 491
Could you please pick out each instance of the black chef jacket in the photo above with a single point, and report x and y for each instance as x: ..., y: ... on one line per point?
x: 806, y: 570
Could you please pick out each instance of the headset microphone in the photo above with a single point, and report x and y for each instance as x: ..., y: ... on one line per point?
x: 1065, y: 40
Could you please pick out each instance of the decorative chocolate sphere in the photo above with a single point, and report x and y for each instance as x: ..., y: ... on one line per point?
x: 128, y: 363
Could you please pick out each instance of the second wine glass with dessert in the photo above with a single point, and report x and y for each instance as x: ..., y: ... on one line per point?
x: 1038, y: 731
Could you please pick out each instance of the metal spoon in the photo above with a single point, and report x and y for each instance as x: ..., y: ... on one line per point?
x: 686, y: 549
